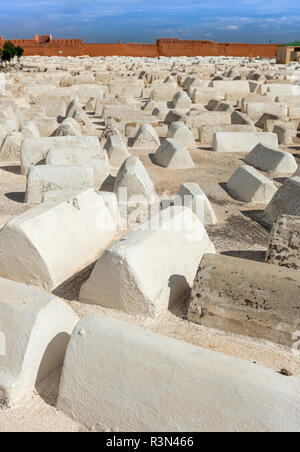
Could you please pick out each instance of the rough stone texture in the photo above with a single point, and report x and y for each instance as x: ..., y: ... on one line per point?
x: 116, y: 150
x: 246, y: 297
x: 69, y: 127
x: 256, y: 110
x: 109, y: 131
x: 248, y: 185
x: 29, y: 129
x: 206, y: 133
x: 241, y: 118
x: 153, y: 383
x: 285, y: 201
x: 239, y: 88
x: 284, y: 247
x: 182, y: 101
x: 272, y: 160
x: 118, y: 91
x: 172, y: 154
x: 45, y: 178
x: 215, y: 105
x: 133, y: 178
x: 72, y: 107
x: 146, y: 138
x: 86, y: 126
x: 242, y: 141
x: 95, y: 158
x: 164, y: 92
x: 181, y: 133
x: 285, y: 134
x: 46, y: 126
x: 34, y: 151
x: 203, y: 95
x: 265, y: 120
x: 11, y: 147
x: 212, y: 118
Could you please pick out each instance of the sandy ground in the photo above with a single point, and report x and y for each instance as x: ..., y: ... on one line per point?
x: 238, y: 233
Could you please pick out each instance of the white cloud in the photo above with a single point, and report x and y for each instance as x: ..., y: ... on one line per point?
x: 231, y: 27
x: 228, y: 27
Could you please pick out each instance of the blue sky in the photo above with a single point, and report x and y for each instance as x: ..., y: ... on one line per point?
x: 144, y: 21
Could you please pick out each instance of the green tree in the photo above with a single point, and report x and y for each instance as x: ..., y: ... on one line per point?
x: 19, y: 52
x: 9, y: 51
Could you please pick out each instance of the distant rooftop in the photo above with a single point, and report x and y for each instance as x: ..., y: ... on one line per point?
x: 291, y: 44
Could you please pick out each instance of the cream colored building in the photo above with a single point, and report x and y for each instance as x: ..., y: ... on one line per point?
x: 286, y: 53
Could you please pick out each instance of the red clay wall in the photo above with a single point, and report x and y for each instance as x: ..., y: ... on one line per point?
x: 163, y: 47
x: 67, y: 47
x: 137, y: 50
x: 142, y: 50
x: 249, y: 50
x: 175, y: 47
x: 94, y: 50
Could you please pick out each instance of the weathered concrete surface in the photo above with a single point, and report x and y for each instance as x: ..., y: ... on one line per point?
x: 43, y: 178
x: 46, y: 126
x: 255, y: 110
x: 182, y: 101
x: 35, y: 329
x: 151, y: 268
x: 284, y: 247
x: 124, y: 378
x: 272, y: 160
x: 34, y: 151
x: 206, y: 133
x: 172, y: 154
x: 53, y: 241
x: 29, y: 129
x: 192, y: 196
x: 181, y: 133
x: 69, y: 127
x: 285, y: 134
x: 285, y: 201
x: 297, y: 173
x: 11, y: 147
x: 164, y: 92
x: 246, y: 297
x: 116, y: 150
x: 242, y: 141
x: 146, y: 138
x: 108, y: 132
x: 248, y: 185
x: 237, y: 233
x: 133, y: 181
x: 95, y: 158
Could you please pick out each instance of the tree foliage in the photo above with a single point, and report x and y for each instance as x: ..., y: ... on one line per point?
x: 9, y: 51
x: 19, y: 51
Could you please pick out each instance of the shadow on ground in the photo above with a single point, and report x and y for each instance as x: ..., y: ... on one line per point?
x: 14, y: 169
x: 258, y: 256
x: 16, y: 196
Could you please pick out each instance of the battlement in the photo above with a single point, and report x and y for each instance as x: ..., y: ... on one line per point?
x: 45, y: 45
x: 42, y: 39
